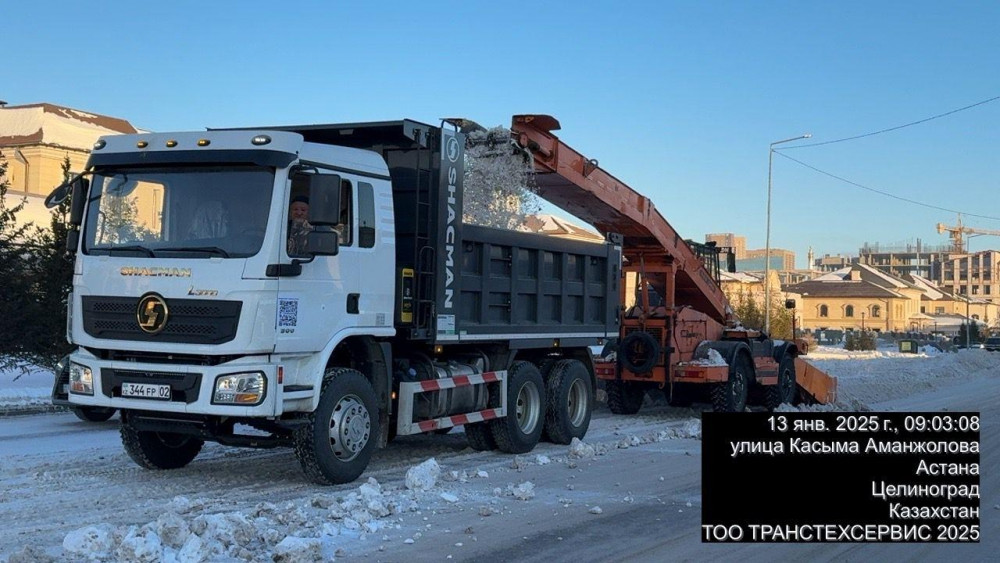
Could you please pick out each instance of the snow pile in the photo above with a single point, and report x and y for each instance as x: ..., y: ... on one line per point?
x: 580, y: 450
x: 930, y: 351
x: 866, y: 378
x: 25, y: 386
x: 423, y: 477
x: 307, y: 529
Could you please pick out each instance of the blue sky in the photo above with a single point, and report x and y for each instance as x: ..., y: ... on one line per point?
x: 678, y: 99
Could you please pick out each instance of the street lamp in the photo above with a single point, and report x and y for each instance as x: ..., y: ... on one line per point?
x: 862, y: 321
x: 767, y: 238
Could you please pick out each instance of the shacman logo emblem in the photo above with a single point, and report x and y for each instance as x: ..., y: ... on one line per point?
x: 452, y: 149
x: 152, y: 313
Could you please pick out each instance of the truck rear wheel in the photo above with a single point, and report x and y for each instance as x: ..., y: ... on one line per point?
x: 624, y: 397
x: 570, y: 403
x: 342, y: 433
x: 158, y: 450
x: 520, y: 430
x: 786, y: 390
x: 731, y: 396
x: 93, y: 414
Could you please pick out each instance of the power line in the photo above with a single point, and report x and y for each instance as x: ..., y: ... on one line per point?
x: 925, y: 120
x: 887, y: 194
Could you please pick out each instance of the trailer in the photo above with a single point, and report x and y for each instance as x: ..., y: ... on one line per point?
x: 677, y: 332
x: 204, y: 309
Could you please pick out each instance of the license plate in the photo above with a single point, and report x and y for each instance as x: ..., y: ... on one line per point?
x: 146, y: 391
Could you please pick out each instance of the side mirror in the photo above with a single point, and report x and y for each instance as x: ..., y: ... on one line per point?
x: 789, y: 303
x: 324, y: 200
x: 323, y: 241
x: 76, y: 191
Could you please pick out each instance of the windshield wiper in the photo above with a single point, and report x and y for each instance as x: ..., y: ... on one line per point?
x: 210, y: 249
x: 129, y: 248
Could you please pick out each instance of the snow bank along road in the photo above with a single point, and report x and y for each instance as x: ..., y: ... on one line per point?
x: 631, y: 492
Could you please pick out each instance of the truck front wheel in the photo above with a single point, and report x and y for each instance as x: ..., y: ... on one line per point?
x: 570, y: 402
x: 158, y: 450
x: 731, y: 396
x: 342, y: 433
x: 624, y: 397
x: 520, y: 430
x: 786, y: 389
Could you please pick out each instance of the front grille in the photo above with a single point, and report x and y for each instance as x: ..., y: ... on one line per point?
x: 191, y: 321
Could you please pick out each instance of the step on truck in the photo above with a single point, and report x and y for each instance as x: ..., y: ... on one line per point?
x: 678, y: 335
x: 205, y: 308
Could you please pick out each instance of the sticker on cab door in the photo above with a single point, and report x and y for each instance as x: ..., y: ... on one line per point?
x: 288, y: 312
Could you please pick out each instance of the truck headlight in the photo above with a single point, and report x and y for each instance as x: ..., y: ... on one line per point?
x: 239, y: 389
x: 81, y: 380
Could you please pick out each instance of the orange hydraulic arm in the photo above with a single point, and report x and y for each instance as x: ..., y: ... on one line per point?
x: 579, y: 186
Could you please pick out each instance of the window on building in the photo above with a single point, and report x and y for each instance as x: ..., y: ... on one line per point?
x: 922, y: 309
x: 961, y: 289
x: 849, y: 311
x: 938, y: 310
x: 876, y: 311
x: 824, y: 311
x: 986, y: 290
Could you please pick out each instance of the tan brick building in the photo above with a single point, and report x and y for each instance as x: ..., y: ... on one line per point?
x: 36, y: 139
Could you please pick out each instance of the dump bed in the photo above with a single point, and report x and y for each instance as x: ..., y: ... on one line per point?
x: 471, y: 283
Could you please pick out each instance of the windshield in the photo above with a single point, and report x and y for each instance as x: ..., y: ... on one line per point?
x: 189, y: 211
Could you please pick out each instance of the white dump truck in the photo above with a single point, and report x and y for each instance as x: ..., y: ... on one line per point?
x: 205, y: 308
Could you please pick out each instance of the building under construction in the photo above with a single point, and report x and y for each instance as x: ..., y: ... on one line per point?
x: 961, y: 273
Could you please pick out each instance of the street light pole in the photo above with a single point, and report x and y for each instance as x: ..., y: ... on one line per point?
x: 767, y: 236
x: 862, y: 321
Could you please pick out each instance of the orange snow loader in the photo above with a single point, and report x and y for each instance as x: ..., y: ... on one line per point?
x: 677, y: 332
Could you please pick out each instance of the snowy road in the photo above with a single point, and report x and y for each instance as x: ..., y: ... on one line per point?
x: 60, y: 475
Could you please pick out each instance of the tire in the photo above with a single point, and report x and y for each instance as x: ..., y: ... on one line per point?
x: 639, y: 352
x: 158, y: 450
x: 570, y: 402
x: 731, y: 396
x: 786, y: 391
x: 93, y: 414
x: 624, y: 397
x: 520, y: 430
x: 479, y: 437
x: 342, y: 433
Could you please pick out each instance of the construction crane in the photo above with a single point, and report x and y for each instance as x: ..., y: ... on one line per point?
x: 957, y: 232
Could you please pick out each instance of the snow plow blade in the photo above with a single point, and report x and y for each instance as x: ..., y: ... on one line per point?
x: 814, y: 382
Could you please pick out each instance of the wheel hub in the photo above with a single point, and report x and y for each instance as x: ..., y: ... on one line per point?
x: 527, y: 408
x: 576, y: 403
x: 350, y: 428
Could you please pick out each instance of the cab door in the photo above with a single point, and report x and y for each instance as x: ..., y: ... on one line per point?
x: 318, y: 303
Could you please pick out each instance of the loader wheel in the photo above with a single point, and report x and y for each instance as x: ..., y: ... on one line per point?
x: 624, y: 397
x: 479, y: 437
x: 639, y: 352
x: 520, y: 430
x: 93, y: 414
x: 570, y: 403
x: 786, y: 390
x: 158, y: 450
x: 731, y: 396
x: 337, y: 443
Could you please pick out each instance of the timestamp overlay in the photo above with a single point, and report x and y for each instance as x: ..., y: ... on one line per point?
x: 840, y: 477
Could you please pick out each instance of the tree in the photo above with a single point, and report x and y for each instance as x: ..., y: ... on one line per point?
x: 15, y: 275
x: 749, y: 309
x: 499, y: 186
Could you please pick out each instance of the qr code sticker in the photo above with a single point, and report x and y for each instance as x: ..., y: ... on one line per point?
x: 288, y: 312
